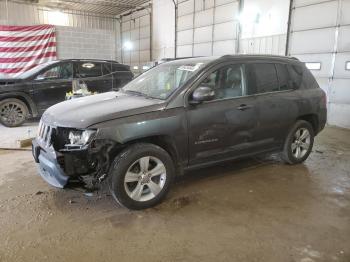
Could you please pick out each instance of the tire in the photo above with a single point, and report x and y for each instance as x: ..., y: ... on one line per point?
x: 13, y: 112
x: 133, y: 191
x: 299, y: 142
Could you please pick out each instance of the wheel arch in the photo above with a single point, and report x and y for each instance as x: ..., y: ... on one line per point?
x: 25, y: 99
x: 313, y: 120
x: 163, y: 141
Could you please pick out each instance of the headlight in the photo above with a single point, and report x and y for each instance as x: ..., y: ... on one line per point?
x: 80, y: 137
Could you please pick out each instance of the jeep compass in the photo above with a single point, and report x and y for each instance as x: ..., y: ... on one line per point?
x: 182, y: 114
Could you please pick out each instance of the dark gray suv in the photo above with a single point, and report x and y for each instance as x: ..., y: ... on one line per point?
x: 182, y: 114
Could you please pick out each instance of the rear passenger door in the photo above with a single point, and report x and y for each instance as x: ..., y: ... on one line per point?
x: 94, y: 75
x: 276, y: 102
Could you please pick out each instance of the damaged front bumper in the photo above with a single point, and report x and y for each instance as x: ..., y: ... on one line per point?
x: 48, y: 165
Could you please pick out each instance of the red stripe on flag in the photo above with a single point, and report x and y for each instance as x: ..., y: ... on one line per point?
x: 26, y: 59
x: 24, y: 28
x: 27, y: 48
x: 16, y: 70
x: 26, y: 38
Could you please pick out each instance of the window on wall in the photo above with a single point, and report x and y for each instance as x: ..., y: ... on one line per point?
x: 262, y: 78
x: 347, y: 65
x: 313, y: 65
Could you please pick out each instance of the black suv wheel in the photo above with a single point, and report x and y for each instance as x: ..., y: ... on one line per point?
x: 141, y: 175
x: 13, y: 112
x: 299, y: 142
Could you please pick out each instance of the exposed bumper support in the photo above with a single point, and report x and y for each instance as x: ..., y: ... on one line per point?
x: 48, y: 167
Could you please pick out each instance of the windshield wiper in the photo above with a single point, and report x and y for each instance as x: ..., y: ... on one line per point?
x: 138, y: 93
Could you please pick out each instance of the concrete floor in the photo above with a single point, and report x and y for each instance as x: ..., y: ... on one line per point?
x: 9, y: 136
x: 249, y: 210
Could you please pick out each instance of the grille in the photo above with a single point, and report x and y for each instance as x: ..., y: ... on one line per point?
x: 45, y: 133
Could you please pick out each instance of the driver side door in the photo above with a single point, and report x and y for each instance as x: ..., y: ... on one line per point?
x: 223, y: 127
x: 50, y: 86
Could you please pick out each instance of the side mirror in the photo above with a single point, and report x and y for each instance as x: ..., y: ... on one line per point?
x: 201, y: 94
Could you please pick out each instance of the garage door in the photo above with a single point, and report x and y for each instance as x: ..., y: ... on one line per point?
x: 206, y: 27
x: 136, y: 38
x: 320, y: 36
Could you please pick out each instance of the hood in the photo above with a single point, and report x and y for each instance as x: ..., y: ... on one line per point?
x: 86, y: 111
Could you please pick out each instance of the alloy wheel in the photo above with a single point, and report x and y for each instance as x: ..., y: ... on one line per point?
x: 12, y: 113
x: 301, y: 143
x: 145, y: 178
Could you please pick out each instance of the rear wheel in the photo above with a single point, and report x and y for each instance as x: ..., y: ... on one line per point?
x: 299, y: 142
x: 141, y: 176
x: 13, y: 112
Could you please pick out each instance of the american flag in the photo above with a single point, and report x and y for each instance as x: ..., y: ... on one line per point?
x: 23, y: 47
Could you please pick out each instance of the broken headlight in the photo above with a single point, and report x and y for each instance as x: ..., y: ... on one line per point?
x: 80, y: 137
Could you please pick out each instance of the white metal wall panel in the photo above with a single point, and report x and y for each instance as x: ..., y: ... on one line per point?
x: 224, y: 31
x: 344, y: 39
x: 298, y: 3
x: 320, y: 32
x: 313, y: 41
x: 207, y: 27
x: 203, y: 49
x: 274, y: 45
x: 136, y: 38
x: 224, y: 47
x: 203, y: 34
x: 184, y: 50
x: 315, y: 16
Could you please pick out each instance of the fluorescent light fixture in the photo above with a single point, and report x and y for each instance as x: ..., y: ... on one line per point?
x: 313, y: 65
x: 57, y: 18
x: 347, y: 65
x: 136, y: 68
x: 128, y: 45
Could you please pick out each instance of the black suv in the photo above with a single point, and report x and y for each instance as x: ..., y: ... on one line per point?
x: 47, y: 84
x: 180, y: 115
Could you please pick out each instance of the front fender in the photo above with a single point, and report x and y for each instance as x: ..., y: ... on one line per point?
x: 170, y: 123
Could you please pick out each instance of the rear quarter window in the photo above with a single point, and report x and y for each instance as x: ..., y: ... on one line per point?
x: 295, y: 75
x: 89, y: 69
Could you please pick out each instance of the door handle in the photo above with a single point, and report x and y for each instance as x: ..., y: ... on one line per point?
x: 244, y: 107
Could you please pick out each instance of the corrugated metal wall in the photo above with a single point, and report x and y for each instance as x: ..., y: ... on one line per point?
x: 79, y: 35
x: 136, y: 38
x: 207, y: 27
x: 28, y: 14
x: 272, y: 45
x: 320, y: 34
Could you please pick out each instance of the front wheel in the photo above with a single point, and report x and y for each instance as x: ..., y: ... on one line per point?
x: 141, y: 175
x: 299, y: 142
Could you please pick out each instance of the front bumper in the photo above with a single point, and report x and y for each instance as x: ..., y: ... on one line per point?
x: 48, y: 166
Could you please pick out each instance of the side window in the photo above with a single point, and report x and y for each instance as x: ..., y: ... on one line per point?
x: 295, y: 75
x: 88, y: 69
x: 227, y: 82
x: 283, y: 77
x: 61, y: 71
x: 262, y: 78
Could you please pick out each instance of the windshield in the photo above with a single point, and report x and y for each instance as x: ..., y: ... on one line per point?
x: 161, y: 81
x: 35, y: 69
